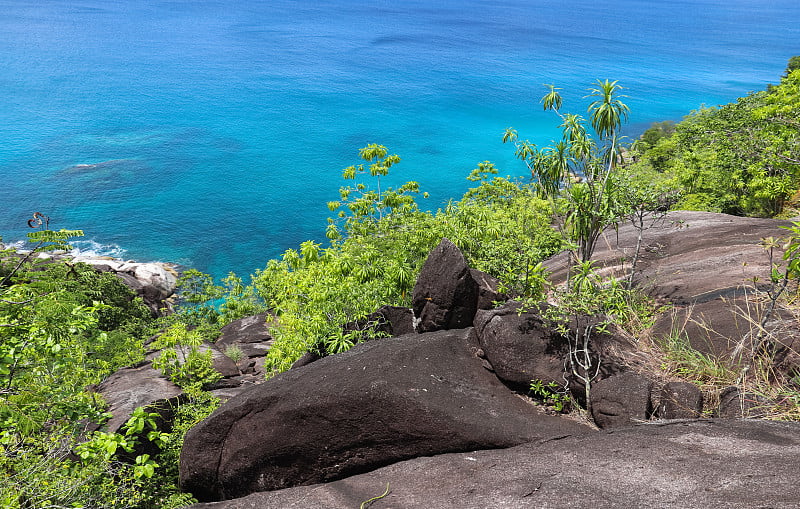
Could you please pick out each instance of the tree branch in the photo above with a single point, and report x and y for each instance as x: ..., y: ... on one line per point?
x: 20, y: 302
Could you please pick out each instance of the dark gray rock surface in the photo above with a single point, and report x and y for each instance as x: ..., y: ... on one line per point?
x: 520, y: 347
x: 680, y: 400
x: 250, y: 329
x: 621, y: 400
x: 488, y: 289
x: 735, y: 403
x: 701, y: 263
x: 445, y: 295
x: 239, y: 352
x: 379, y: 403
x: 689, y: 256
x: 674, y: 464
x: 129, y: 388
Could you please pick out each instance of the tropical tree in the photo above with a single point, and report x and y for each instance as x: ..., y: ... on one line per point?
x: 576, y: 173
x: 366, y: 205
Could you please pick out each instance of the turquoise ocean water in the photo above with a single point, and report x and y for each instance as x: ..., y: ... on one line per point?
x: 212, y: 133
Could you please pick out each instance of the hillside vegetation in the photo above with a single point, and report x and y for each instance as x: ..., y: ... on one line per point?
x: 741, y: 158
x: 64, y: 327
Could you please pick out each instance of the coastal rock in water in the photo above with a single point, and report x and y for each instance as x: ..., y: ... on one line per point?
x: 378, y: 403
x: 155, y: 283
x: 445, y: 294
x: 705, y: 463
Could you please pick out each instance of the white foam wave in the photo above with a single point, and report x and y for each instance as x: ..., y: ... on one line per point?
x: 16, y: 245
x: 93, y: 249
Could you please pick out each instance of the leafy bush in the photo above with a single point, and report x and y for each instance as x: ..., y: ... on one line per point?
x: 181, y: 359
x: 740, y: 158
x: 501, y: 227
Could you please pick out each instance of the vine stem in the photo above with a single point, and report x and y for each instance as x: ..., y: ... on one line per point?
x: 366, y: 503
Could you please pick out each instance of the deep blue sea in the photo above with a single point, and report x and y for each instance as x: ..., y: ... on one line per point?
x: 212, y: 133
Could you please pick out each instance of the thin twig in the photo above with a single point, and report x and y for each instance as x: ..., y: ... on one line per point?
x: 366, y: 503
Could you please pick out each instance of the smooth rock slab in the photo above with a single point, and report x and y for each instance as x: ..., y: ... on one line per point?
x: 381, y: 402
x: 130, y: 388
x: 250, y: 329
x: 673, y: 464
x: 698, y: 261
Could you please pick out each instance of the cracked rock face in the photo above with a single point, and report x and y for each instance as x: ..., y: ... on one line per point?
x: 379, y: 403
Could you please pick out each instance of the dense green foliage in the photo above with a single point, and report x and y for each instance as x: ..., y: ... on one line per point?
x: 740, y: 158
x: 654, y: 133
x: 63, y: 328
x: 501, y: 227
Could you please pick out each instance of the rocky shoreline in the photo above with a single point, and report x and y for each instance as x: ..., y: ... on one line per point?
x: 154, y: 282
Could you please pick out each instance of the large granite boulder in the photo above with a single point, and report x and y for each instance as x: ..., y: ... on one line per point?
x: 140, y: 386
x: 379, y: 403
x: 621, y: 400
x: 724, y: 463
x: 154, y: 282
x: 687, y: 257
x: 241, y: 347
x: 445, y: 295
x: 680, y: 400
x: 130, y: 388
x: 246, y: 331
x: 520, y: 347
